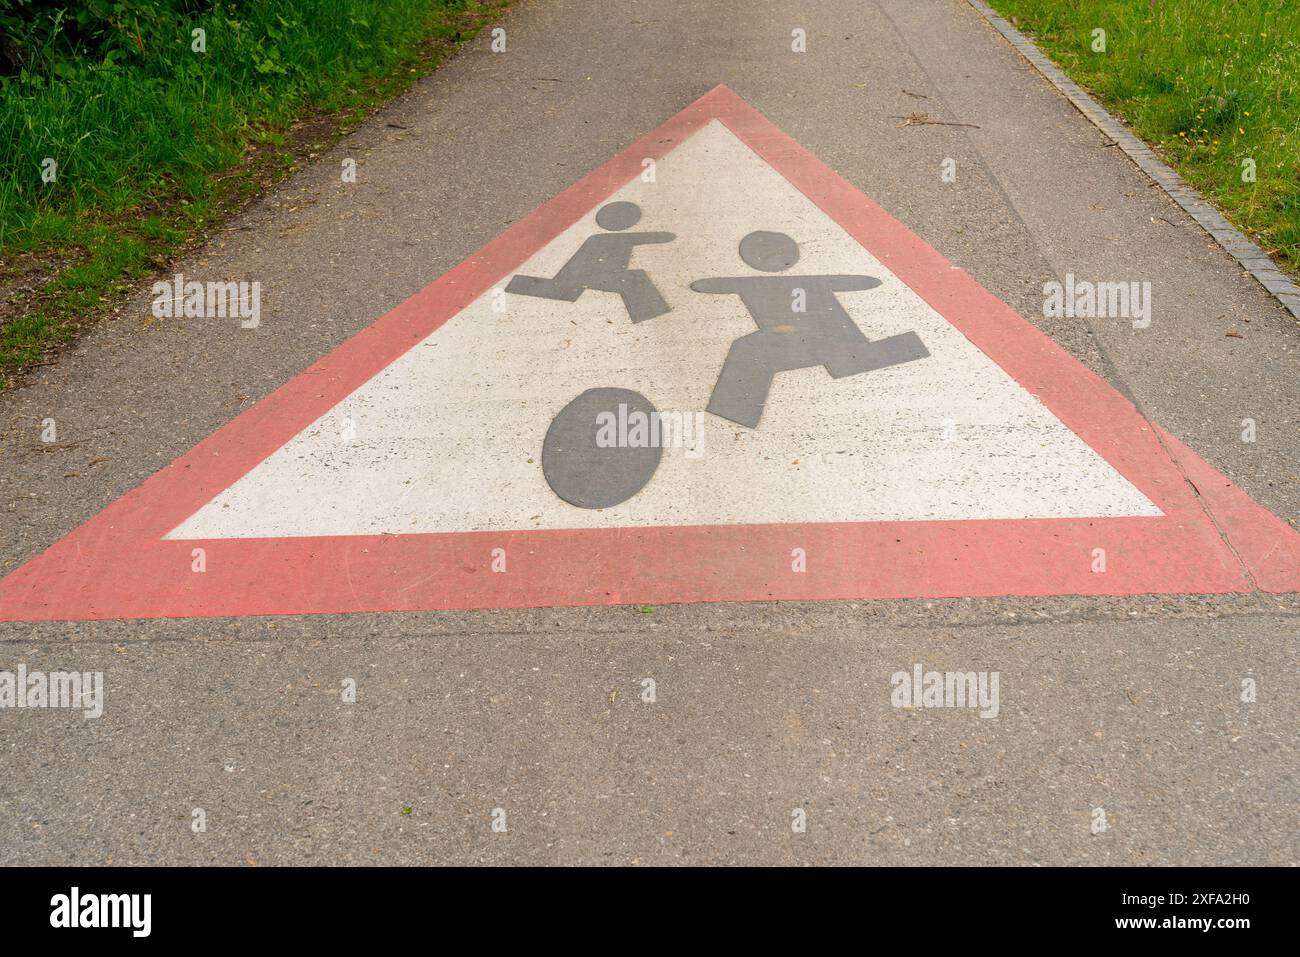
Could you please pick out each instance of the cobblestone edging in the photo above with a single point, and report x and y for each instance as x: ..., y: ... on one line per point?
x: 1252, y: 259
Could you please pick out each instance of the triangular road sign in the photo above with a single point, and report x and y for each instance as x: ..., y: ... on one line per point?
x: 711, y: 370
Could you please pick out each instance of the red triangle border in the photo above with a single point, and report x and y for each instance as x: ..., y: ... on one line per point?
x: 1211, y: 539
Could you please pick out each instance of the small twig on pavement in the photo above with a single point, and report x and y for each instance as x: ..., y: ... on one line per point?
x: 925, y: 119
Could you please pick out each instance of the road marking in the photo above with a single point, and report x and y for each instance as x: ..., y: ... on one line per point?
x: 847, y: 395
x: 467, y: 409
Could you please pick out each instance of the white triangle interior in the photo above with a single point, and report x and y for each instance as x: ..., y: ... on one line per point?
x: 448, y: 438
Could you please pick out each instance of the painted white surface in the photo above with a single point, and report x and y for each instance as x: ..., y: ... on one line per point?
x: 444, y: 435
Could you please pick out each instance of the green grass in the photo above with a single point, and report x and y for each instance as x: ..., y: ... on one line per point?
x: 155, y: 142
x: 1208, y: 83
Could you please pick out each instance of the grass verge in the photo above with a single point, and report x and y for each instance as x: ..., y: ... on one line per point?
x: 112, y: 164
x: 1212, y: 85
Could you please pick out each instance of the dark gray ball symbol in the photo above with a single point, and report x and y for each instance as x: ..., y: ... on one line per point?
x: 581, y: 471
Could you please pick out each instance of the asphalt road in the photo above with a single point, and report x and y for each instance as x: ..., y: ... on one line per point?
x: 1128, y: 705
